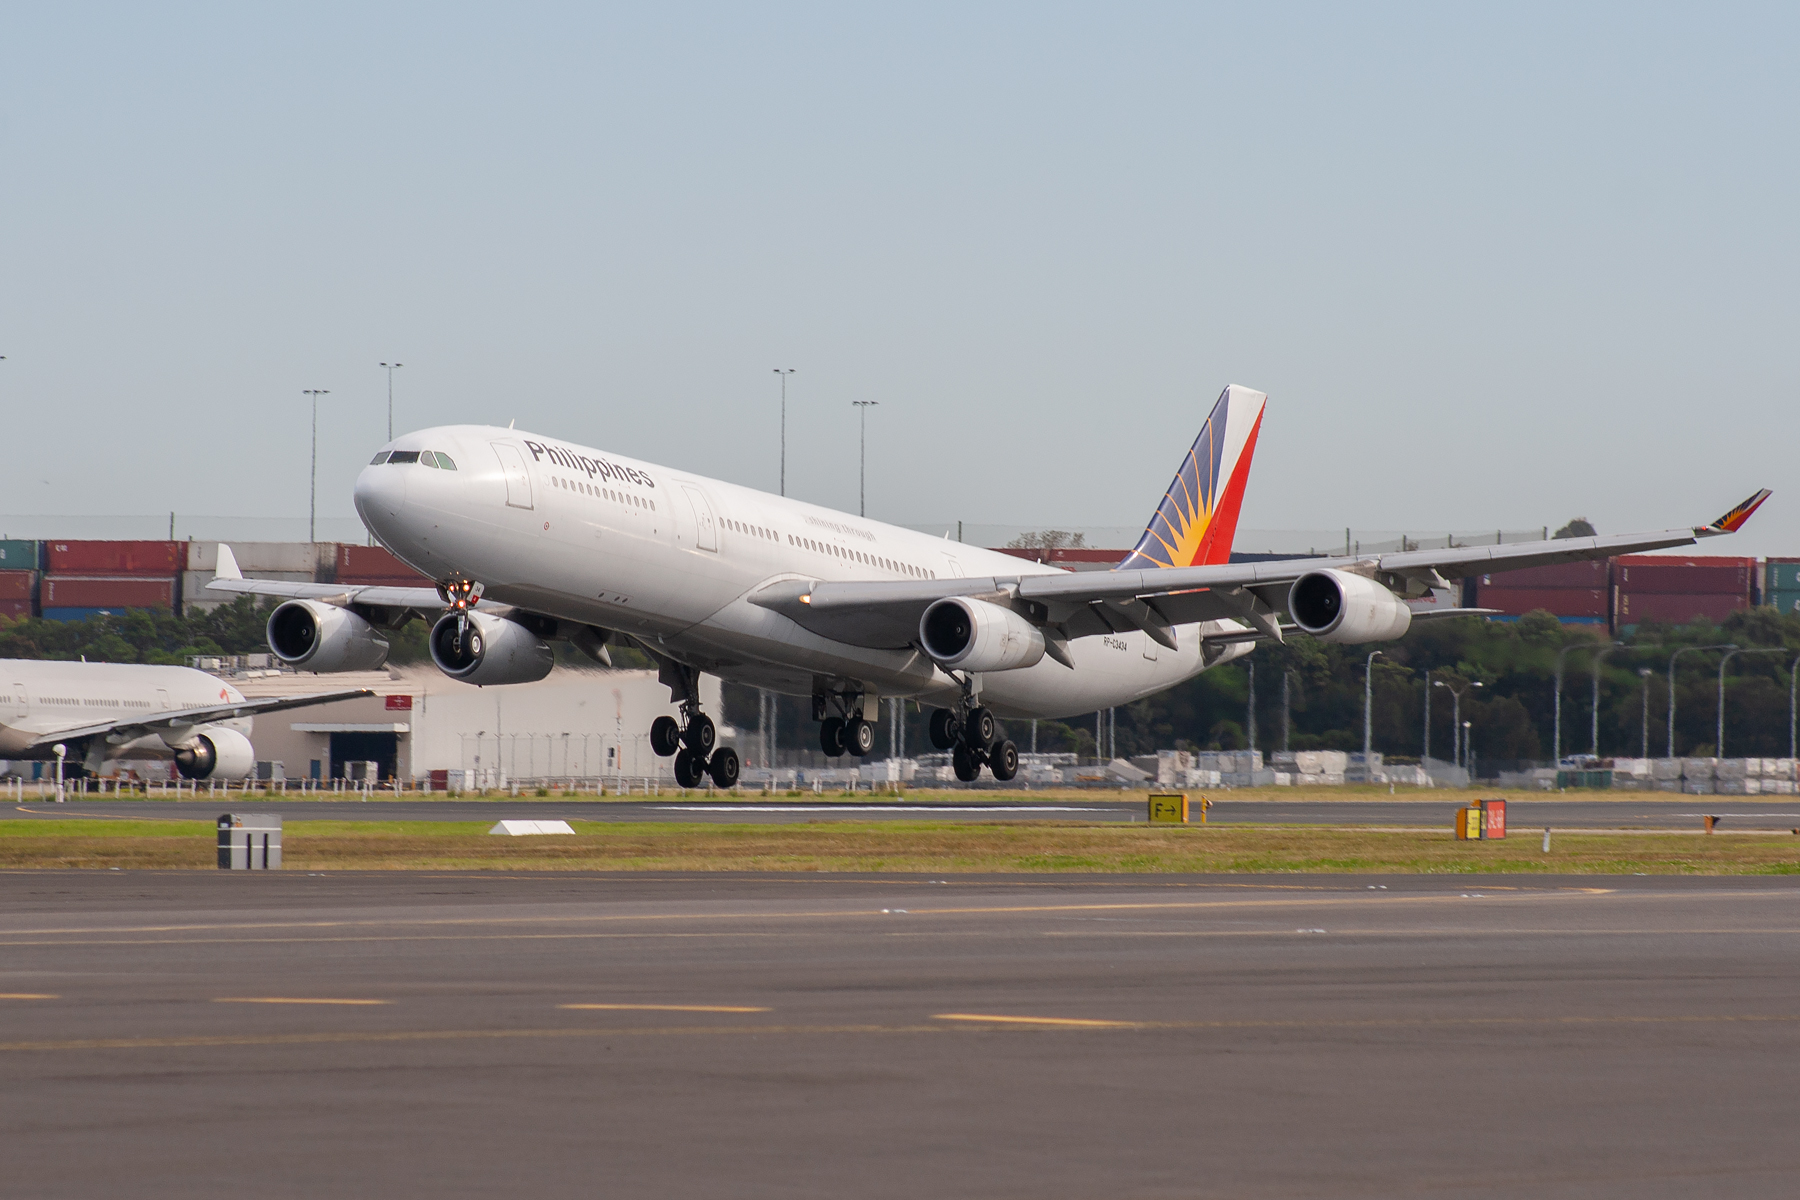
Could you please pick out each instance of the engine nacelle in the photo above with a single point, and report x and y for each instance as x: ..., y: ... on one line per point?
x: 495, y: 650
x: 216, y: 754
x: 1336, y: 606
x: 324, y: 637
x: 974, y: 635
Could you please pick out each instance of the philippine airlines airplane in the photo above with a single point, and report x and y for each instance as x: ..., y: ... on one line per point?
x: 532, y: 539
x: 101, y: 712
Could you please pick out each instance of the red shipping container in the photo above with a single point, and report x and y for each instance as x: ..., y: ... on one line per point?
x: 118, y: 591
x: 1684, y: 574
x: 1671, y: 609
x: 13, y: 609
x: 1589, y: 573
x: 18, y: 585
x: 373, y: 564
x: 116, y: 558
x: 1564, y: 602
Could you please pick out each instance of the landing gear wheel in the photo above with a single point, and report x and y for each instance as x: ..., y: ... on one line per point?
x: 689, y: 769
x: 724, y: 767
x: 943, y: 729
x: 1003, y: 761
x: 966, y: 765
x: 981, y: 729
x: 665, y: 736
x: 831, y: 737
x: 859, y: 737
x: 700, y: 735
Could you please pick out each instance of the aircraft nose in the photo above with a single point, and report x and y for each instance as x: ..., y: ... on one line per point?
x: 380, y: 497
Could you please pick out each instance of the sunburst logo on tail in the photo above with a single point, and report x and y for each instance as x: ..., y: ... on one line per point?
x: 1197, y: 519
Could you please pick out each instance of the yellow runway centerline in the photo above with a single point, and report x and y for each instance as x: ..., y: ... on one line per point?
x: 1076, y: 1022
x: 719, y: 1008
x: 29, y: 996
x: 288, y: 1000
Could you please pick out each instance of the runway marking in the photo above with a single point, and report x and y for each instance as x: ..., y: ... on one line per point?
x: 1078, y: 1022
x: 983, y: 1026
x: 884, y: 808
x: 288, y: 1000
x: 29, y: 996
x: 718, y: 1008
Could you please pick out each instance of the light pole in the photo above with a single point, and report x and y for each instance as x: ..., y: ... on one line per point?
x: 784, y: 372
x: 391, y: 368
x: 1368, y: 702
x: 862, y: 480
x: 1594, y: 716
x: 1644, y: 674
x: 1792, y: 727
x: 1286, y: 718
x: 1556, y: 706
x: 1719, y: 738
x: 1250, y: 707
x: 312, y: 503
x: 1672, y: 658
x: 1467, y: 754
x: 1457, y: 724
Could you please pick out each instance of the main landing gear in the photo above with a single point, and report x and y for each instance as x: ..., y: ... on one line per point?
x: 972, y: 735
x: 691, y: 741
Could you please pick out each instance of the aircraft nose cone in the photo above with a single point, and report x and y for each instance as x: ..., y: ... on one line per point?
x: 381, y: 497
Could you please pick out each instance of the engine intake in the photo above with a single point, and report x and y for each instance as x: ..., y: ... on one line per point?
x: 1336, y: 606
x: 324, y: 637
x: 974, y: 635
x: 495, y: 650
x: 216, y: 754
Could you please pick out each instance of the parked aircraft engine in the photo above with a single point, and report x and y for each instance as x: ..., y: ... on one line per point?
x: 974, y: 635
x: 494, y: 650
x: 1336, y: 606
x: 324, y: 637
x: 216, y: 754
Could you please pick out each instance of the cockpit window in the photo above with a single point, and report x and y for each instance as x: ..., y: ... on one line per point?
x: 378, y: 459
x: 445, y: 461
x: 403, y: 456
x: 428, y: 459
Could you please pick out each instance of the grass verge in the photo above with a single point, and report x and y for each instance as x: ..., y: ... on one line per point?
x: 901, y: 846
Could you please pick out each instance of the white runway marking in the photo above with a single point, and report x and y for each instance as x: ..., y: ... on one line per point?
x: 894, y: 808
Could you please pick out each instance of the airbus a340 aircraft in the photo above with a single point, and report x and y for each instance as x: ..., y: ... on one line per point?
x: 533, y: 539
x: 102, y: 712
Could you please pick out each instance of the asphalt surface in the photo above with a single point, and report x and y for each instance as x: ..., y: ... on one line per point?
x: 228, y: 1034
x: 1677, y: 812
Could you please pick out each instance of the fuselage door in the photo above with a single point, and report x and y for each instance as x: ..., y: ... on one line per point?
x: 706, y: 537
x: 163, y: 703
x: 16, y: 705
x: 518, y: 479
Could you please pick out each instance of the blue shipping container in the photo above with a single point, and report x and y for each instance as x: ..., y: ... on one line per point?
x: 1781, y: 576
x: 82, y: 614
x: 1787, y: 601
x: 18, y: 555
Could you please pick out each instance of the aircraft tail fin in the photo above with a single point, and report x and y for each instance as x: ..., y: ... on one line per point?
x: 1197, y: 519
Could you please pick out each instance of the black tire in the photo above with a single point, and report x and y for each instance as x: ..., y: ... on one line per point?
x: 700, y: 735
x: 665, y: 736
x: 724, y: 767
x: 1003, y: 761
x: 943, y: 729
x: 965, y: 764
x: 831, y: 737
x: 982, y: 730
x: 690, y: 768
x: 859, y: 738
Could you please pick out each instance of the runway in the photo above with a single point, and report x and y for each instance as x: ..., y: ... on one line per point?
x: 1677, y: 812
x: 202, y: 1034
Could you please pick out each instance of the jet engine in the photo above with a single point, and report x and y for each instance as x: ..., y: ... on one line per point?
x: 1336, y: 606
x: 974, y: 635
x: 493, y: 650
x: 324, y: 637
x: 216, y: 754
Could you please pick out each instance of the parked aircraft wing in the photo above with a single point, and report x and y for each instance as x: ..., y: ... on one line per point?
x: 131, y: 728
x: 883, y: 615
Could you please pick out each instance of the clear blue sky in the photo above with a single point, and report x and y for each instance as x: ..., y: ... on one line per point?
x: 1495, y: 265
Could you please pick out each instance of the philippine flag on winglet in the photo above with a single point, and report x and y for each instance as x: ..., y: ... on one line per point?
x: 1197, y: 519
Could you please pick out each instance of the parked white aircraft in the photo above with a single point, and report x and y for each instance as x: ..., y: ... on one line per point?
x: 534, y: 539
x: 102, y: 712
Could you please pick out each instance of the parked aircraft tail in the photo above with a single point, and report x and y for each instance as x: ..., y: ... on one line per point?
x: 1197, y: 519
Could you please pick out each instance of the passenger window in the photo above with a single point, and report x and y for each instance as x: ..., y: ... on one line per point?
x: 378, y: 459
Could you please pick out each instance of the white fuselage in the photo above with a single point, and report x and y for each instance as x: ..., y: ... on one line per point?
x: 671, y: 557
x: 40, y: 699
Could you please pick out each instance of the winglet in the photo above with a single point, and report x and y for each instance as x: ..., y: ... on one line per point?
x: 226, y: 567
x: 1734, y: 520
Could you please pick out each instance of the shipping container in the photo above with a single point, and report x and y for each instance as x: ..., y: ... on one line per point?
x: 372, y: 564
x: 264, y: 558
x: 14, y: 609
x: 114, y: 558
x: 1787, y: 602
x: 1670, y: 609
x: 1781, y: 575
x: 95, y: 591
x: 1689, y: 575
x: 18, y: 585
x: 1590, y: 573
x: 18, y: 555
x: 82, y: 614
x: 1564, y: 602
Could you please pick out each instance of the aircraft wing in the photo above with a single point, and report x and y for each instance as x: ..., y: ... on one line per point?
x: 228, y: 578
x: 131, y: 728
x: 885, y: 615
